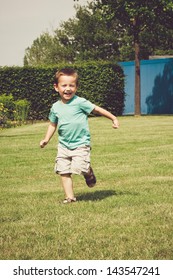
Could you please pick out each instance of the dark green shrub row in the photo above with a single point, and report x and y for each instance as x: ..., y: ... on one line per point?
x: 102, y: 83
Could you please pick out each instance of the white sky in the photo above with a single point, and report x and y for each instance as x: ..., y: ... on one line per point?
x: 22, y: 21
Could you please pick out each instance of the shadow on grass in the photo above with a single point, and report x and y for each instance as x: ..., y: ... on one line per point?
x: 100, y: 195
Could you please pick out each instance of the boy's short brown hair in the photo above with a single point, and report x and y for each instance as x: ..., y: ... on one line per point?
x: 66, y: 72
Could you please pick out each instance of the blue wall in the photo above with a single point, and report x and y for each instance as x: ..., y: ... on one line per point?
x: 156, y: 86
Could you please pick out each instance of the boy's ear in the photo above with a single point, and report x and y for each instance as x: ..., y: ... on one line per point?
x: 55, y: 87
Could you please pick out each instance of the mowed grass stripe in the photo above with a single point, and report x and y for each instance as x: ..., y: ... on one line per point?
x: 128, y: 215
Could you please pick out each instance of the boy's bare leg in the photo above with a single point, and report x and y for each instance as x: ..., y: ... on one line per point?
x: 67, y: 184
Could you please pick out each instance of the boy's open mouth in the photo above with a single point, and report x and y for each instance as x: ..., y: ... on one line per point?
x: 67, y: 93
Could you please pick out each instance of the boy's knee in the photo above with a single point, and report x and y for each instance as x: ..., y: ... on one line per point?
x: 67, y: 175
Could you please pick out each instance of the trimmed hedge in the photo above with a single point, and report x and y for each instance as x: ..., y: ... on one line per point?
x: 102, y: 83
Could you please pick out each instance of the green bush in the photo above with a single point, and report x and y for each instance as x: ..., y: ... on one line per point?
x: 100, y: 82
x: 21, y: 110
x: 13, y: 112
x: 3, y: 115
x: 8, y: 103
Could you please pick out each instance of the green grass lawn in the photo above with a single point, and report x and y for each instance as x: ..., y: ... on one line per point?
x: 128, y: 215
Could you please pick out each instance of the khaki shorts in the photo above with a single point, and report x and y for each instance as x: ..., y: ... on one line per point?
x: 75, y: 161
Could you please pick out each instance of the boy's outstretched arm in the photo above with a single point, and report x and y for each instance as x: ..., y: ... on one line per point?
x: 50, y: 132
x: 107, y: 114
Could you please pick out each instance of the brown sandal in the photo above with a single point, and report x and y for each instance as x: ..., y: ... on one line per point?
x: 90, y: 178
x: 69, y: 200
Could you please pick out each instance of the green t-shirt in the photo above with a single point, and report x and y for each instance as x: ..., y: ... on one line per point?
x: 72, y: 120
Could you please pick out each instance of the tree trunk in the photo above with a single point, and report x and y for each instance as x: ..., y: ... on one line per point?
x: 137, y: 71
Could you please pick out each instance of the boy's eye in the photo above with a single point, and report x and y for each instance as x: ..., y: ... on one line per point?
x: 67, y: 85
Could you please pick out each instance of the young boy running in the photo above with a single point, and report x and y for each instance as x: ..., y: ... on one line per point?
x: 70, y: 114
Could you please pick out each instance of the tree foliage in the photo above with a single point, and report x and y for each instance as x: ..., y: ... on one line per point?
x: 87, y: 37
x: 149, y: 21
x: 105, y: 30
x: 138, y: 16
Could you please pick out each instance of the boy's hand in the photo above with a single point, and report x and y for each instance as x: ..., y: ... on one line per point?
x: 43, y: 143
x: 115, y: 123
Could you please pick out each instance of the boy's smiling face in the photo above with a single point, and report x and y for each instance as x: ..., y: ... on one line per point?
x: 66, y: 87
